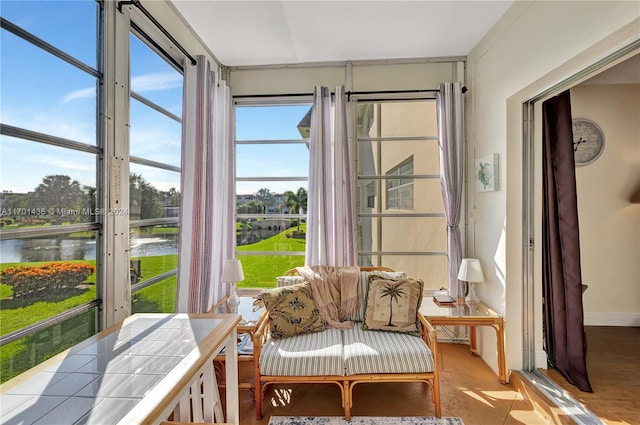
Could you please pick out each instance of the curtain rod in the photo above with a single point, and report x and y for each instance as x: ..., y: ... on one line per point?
x: 158, y: 25
x: 348, y: 93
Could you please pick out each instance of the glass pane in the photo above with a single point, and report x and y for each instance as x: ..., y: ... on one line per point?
x: 154, y: 78
x: 45, y: 276
x: 156, y: 247
x: 153, y: 192
x: 402, y: 234
x: 45, y: 185
x: 154, y: 136
x: 43, y: 93
x: 272, y: 160
x: 432, y: 269
x: 397, y: 119
x: 157, y: 298
x: 25, y: 353
x: 32, y: 252
x: 68, y: 25
x: 380, y: 158
x: 265, y: 234
x: 419, y: 195
x: 261, y: 271
x: 271, y: 198
x: 264, y: 197
x: 287, y: 122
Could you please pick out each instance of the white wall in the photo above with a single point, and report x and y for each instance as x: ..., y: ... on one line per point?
x: 534, y: 46
x: 356, y: 76
x: 609, y: 222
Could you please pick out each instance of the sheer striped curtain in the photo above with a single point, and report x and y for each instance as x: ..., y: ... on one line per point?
x: 330, y: 225
x: 206, y: 219
x: 450, y: 106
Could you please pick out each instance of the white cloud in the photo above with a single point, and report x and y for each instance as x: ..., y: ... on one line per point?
x: 80, y: 94
x: 147, y: 82
x: 156, y: 81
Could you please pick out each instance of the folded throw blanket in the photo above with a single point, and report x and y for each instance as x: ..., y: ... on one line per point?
x: 336, y: 292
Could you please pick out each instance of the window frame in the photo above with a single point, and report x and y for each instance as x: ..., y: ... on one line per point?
x: 95, y: 226
x: 149, y: 36
x: 260, y: 102
x: 114, y: 25
x: 363, y: 181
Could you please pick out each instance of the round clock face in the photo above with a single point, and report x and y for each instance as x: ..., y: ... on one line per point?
x: 588, y: 141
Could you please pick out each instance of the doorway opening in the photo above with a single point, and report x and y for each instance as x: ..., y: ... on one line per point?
x: 606, y: 93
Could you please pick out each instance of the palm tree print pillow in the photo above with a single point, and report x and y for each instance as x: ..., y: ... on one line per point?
x: 392, y: 305
x: 292, y: 310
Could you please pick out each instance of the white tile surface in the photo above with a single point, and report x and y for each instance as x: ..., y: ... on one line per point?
x: 104, y: 381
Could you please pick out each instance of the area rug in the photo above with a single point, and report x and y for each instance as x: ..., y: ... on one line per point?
x: 362, y: 420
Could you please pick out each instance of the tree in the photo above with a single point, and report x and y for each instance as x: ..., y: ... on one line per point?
x: 173, y: 197
x: 251, y: 207
x: 91, y: 199
x: 265, y: 196
x: 393, y: 291
x: 58, y: 192
x: 297, y: 202
x: 144, y: 199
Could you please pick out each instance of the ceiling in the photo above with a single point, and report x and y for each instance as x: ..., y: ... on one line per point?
x: 246, y: 33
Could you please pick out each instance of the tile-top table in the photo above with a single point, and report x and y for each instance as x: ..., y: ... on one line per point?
x: 136, y: 372
x: 464, y: 315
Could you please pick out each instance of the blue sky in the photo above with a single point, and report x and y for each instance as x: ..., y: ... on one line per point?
x: 39, y: 92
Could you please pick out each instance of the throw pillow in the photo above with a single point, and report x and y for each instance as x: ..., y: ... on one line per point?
x: 364, y: 284
x: 392, y: 305
x: 288, y: 280
x: 292, y: 310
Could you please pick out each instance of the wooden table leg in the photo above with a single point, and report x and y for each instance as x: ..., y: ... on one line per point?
x: 472, y: 341
x: 502, y: 365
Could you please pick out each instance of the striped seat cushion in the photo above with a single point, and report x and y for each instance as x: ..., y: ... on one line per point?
x: 385, y: 352
x: 315, y: 354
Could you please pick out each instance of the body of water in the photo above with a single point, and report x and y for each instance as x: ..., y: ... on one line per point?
x: 65, y: 249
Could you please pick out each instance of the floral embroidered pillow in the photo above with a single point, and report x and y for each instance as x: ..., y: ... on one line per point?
x: 292, y: 311
x: 392, y: 305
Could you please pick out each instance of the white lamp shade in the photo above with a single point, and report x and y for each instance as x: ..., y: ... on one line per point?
x: 232, y: 271
x: 470, y: 270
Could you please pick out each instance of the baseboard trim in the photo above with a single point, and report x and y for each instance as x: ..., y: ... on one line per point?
x: 612, y: 319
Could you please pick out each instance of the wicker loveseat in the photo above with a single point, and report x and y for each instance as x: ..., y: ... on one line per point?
x: 346, y: 358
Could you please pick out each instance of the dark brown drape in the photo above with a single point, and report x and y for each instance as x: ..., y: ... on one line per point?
x: 561, y: 278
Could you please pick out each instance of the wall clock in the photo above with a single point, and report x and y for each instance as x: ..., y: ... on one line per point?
x: 588, y: 141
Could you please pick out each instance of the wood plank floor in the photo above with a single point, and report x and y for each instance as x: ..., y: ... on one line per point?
x: 469, y: 389
x: 613, y: 365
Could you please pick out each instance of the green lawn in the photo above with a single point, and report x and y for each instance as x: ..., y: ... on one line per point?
x: 260, y: 271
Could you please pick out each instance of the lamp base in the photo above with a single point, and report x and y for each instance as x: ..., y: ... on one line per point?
x: 233, y: 301
x: 462, y: 290
x: 471, y: 298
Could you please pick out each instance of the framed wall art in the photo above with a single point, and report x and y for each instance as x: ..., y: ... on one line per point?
x: 487, y: 176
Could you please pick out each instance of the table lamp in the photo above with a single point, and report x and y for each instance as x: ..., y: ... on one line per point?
x: 470, y: 272
x: 232, y: 273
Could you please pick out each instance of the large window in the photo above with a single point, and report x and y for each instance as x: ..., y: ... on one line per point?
x: 272, y: 169
x: 401, y: 221
x: 154, y: 179
x: 62, y: 269
x: 50, y: 216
